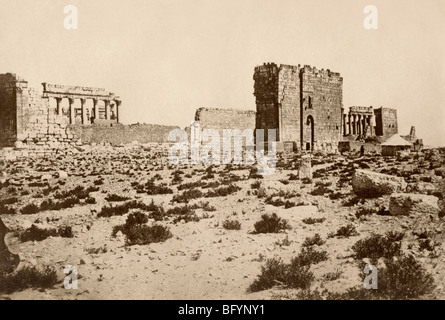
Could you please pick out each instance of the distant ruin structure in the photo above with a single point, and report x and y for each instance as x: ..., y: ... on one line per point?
x: 304, y: 105
x: 386, y: 122
x: 362, y: 122
x: 33, y: 118
x: 417, y: 144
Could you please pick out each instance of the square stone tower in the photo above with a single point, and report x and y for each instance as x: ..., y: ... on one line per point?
x: 303, y: 104
x: 386, y: 122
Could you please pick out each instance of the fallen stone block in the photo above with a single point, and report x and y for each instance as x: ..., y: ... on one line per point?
x: 62, y: 174
x: 371, y: 184
x: 305, y: 170
x: 46, y: 177
x: 411, y: 203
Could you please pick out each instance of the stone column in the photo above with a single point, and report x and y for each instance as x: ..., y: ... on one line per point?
x: 371, y: 126
x: 359, y: 124
x: 107, y: 109
x: 349, y: 124
x: 354, y: 124
x: 363, y: 124
x: 368, y: 122
x: 344, y: 124
x: 280, y: 137
x: 96, y: 109
x: 72, y: 111
x: 305, y: 170
x: 118, y: 104
x: 59, y: 107
x: 84, y: 111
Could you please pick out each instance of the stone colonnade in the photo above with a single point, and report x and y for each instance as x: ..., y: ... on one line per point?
x: 72, y: 93
x: 85, y: 120
x: 356, y: 124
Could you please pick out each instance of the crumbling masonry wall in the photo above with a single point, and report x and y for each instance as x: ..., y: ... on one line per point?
x: 122, y: 134
x: 303, y: 104
x: 8, y: 110
x: 385, y: 122
x: 220, y: 119
x: 27, y: 118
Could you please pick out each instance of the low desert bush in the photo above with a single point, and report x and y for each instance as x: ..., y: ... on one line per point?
x: 6, y: 210
x: 378, y: 246
x: 315, y: 240
x: 231, y: 225
x: 345, y: 232
x: 34, y: 233
x: 296, y: 274
x: 276, y: 272
x: 187, y: 196
x: 119, y: 210
x: 271, y: 224
x: 313, y: 220
x: 28, y: 277
x: 116, y: 198
x: 222, y: 191
x: 137, y: 233
x: 30, y: 209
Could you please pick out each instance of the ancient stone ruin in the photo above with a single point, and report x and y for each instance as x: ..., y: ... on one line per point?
x: 304, y: 105
x: 32, y: 118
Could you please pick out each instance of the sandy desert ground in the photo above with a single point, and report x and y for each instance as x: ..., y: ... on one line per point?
x: 202, y: 259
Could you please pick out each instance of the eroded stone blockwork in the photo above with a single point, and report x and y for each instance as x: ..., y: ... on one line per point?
x: 303, y: 104
x: 226, y: 119
x: 385, y: 122
x: 28, y: 118
x: 220, y: 119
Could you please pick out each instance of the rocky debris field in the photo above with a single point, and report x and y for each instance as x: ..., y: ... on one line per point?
x: 136, y: 227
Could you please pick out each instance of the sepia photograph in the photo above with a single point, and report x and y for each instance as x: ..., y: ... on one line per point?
x: 246, y: 152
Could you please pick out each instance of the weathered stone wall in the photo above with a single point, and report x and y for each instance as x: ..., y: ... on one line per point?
x: 289, y: 98
x: 385, y: 122
x: 8, y: 111
x: 119, y: 134
x: 219, y: 119
x: 322, y: 100
x: 27, y: 118
x: 304, y: 104
x: 41, y: 125
x: 266, y: 97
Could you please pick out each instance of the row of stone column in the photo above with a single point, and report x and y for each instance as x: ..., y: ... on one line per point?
x: 356, y: 124
x: 72, y: 113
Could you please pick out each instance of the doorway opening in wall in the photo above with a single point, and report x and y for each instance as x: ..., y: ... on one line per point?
x: 310, y: 133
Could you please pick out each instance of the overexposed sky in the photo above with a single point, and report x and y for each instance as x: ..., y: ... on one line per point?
x: 166, y: 58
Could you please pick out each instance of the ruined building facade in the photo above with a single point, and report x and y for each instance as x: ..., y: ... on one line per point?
x: 367, y: 121
x: 303, y: 104
x: 35, y: 118
x: 386, y: 122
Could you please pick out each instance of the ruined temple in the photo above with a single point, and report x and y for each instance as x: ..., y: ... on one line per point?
x: 43, y: 118
x: 361, y: 122
x: 304, y: 105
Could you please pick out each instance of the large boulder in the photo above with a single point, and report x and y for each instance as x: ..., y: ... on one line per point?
x: 367, y: 183
x: 8, y: 261
x: 411, y: 203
